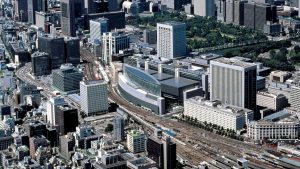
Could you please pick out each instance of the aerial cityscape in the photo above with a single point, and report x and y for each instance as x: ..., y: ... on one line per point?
x: 149, y: 84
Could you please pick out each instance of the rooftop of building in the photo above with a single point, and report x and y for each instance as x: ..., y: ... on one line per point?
x: 215, y: 104
x: 281, y: 116
x: 141, y: 161
x: 93, y: 82
x: 280, y: 73
x: 179, y: 82
x: 172, y: 23
x: 234, y: 62
x: 38, y: 54
x: 162, y: 76
x: 100, y: 19
x: 269, y: 94
x: 65, y: 107
x: 135, y: 133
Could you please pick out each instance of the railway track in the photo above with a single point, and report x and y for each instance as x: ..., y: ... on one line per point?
x: 210, y: 144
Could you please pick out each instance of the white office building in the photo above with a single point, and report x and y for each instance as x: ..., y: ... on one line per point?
x: 295, y: 97
x: 97, y: 28
x: 272, y: 101
x: 136, y: 141
x: 214, y: 112
x: 171, y: 39
x: 280, y: 125
x: 233, y: 82
x: 112, y: 43
x: 204, y: 8
x: 51, y: 105
x: 93, y: 97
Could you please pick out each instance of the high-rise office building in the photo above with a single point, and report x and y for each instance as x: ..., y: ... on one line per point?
x: 162, y: 151
x: 40, y: 64
x: 233, y: 82
x: 54, y: 46
x: 51, y: 108
x: 93, y: 97
x: 66, y: 118
x: 256, y: 15
x: 21, y: 8
x: 66, y: 79
x: 36, y: 5
x: 112, y: 42
x: 221, y: 10
x: 66, y: 145
x: 136, y: 141
x: 204, y: 7
x: 155, y: 151
x: 171, y: 39
x: 119, y: 125
x: 175, y: 4
x: 295, y: 97
x: 70, y: 10
x: 116, y: 19
x: 37, y: 141
x: 94, y: 6
x: 97, y: 28
x: 238, y: 12
x: 150, y: 36
x: 169, y: 153
x: 229, y: 11
x: 72, y: 50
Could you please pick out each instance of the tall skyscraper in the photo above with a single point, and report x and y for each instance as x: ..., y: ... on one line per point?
x: 229, y: 11
x: 162, y: 151
x: 72, y: 50
x: 93, y: 97
x: 112, y: 42
x: 169, y: 153
x: 233, y: 82
x: 221, y: 10
x: 256, y: 15
x: 40, y: 64
x: 171, y: 39
x: 295, y: 97
x: 66, y: 118
x: 204, y: 7
x: 54, y: 46
x: 93, y: 6
x: 36, y: 5
x: 119, y: 125
x: 97, y: 28
x: 21, y: 10
x: 238, y: 12
x: 66, y: 79
x: 155, y: 151
x: 51, y: 108
x: 70, y: 10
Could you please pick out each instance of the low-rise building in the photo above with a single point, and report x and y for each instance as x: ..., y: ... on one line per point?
x: 280, y: 76
x: 214, y: 112
x: 280, y: 125
x: 272, y: 101
x: 141, y: 163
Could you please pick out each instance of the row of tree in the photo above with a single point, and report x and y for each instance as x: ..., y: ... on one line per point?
x: 202, y: 31
x: 210, y: 127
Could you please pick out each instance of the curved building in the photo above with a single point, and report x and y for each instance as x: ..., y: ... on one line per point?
x: 142, y: 89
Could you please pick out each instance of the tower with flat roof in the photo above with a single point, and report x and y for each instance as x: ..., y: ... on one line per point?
x: 233, y: 82
x: 93, y: 96
x: 171, y: 39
